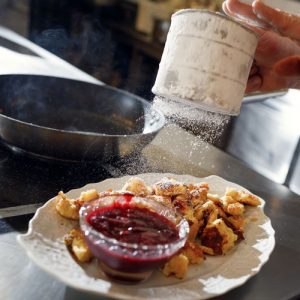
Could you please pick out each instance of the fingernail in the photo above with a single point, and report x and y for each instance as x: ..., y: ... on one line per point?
x: 257, y: 13
x: 259, y: 1
x: 224, y: 6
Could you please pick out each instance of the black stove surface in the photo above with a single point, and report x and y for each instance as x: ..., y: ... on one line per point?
x: 25, y: 179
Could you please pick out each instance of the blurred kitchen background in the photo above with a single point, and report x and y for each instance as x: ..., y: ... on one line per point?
x: 120, y: 42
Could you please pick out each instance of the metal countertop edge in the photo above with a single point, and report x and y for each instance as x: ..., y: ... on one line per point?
x: 19, y: 210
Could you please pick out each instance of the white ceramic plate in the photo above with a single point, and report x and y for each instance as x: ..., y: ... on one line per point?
x: 45, y: 246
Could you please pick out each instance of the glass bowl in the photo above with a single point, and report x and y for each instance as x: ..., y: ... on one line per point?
x: 131, y: 262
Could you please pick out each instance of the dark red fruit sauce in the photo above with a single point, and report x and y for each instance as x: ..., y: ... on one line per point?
x: 135, y: 228
x: 135, y: 225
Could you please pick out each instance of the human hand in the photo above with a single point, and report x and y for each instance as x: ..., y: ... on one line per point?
x: 277, y: 58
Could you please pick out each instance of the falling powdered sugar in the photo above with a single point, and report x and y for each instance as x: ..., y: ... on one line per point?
x: 165, y: 153
x: 208, y: 126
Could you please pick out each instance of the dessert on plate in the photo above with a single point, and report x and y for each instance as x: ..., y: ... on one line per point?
x: 168, y: 225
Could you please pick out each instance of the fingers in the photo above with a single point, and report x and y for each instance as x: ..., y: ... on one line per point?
x: 289, y: 67
x: 225, y: 9
x: 243, y: 12
x: 228, y: 13
x: 266, y: 17
x: 254, y: 84
x: 233, y: 16
x: 255, y: 80
x: 287, y: 24
x: 239, y: 9
x: 273, y: 47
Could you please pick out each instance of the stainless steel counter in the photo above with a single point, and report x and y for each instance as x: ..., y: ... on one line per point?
x: 174, y: 150
x: 266, y: 136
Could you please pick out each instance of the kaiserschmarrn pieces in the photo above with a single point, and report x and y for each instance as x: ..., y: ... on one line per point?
x: 214, y: 198
x: 167, y: 201
x: 218, y: 237
x: 248, y: 199
x: 198, y: 196
x: 233, y: 193
x: 76, y: 243
x: 243, y: 197
x: 208, y: 212
x: 231, y: 206
x: 137, y: 186
x: 216, y: 222
x: 183, y: 205
x: 88, y: 195
x: 177, y: 266
x: 68, y: 208
x: 238, y: 222
x: 194, y: 228
x: 169, y: 187
x: 193, y: 252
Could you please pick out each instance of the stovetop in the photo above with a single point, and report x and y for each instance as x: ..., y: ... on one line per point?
x: 26, y: 182
x: 26, y: 179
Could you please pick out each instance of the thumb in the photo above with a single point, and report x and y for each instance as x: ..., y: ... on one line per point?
x: 289, y: 66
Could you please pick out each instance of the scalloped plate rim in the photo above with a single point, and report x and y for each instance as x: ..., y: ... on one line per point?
x: 116, y: 295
